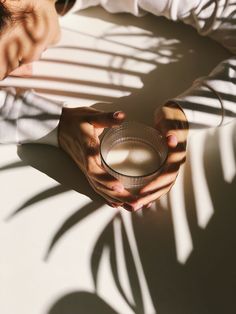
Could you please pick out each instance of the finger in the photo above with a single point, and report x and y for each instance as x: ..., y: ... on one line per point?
x: 124, y: 197
x: 146, y: 200
x: 175, y: 160
x: 106, y: 119
x: 149, y: 205
x: 114, y: 205
x: 98, y: 174
x: 108, y: 182
x: 101, y: 180
x: 24, y: 70
x: 110, y: 186
x: 158, y: 183
x: 111, y: 201
x: 172, y: 140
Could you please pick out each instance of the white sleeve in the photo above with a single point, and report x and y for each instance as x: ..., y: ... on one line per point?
x: 211, y: 100
x: 28, y: 118
x: 113, y: 6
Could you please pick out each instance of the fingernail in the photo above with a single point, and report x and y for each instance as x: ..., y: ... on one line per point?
x: 118, y: 188
x: 118, y: 114
x: 128, y: 207
x: 172, y: 140
x: 114, y: 205
x: 149, y: 205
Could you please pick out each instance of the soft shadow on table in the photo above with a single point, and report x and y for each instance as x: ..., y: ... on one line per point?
x: 82, y: 301
x: 57, y: 165
x: 206, y: 282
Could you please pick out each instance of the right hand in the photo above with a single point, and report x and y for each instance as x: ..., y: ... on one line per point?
x: 171, y: 121
x: 78, y: 136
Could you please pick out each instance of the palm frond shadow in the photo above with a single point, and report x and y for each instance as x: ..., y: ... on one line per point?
x: 56, y: 190
x: 72, y: 221
x: 205, y: 282
x: 71, y: 177
x: 13, y: 165
x: 37, y: 156
x: 107, y: 239
x: 199, y: 286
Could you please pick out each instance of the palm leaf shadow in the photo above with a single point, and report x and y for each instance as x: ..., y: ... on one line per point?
x: 49, y: 160
x: 59, y: 166
x: 219, y: 239
x: 76, y: 218
x: 73, y: 220
x: 13, y: 165
x: 56, y: 190
x: 133, y: 273
x: 106, y: 239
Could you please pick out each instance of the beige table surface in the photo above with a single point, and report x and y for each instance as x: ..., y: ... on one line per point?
x: 63, y: 251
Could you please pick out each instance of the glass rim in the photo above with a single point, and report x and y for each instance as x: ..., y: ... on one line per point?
x: 109, y: 130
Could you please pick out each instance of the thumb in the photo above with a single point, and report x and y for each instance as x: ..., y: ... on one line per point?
x: 107, y: 119
x: 172, y: 140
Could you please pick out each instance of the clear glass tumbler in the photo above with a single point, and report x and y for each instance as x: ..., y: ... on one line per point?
x: 134, y: 153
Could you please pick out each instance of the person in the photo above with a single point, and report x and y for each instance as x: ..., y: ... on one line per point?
x: 28, y: 27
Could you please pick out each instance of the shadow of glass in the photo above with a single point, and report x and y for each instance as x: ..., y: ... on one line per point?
x: 81, y: 302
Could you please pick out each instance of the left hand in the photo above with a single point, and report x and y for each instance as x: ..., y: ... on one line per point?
x: 172, y: 123
x: 78, y: 135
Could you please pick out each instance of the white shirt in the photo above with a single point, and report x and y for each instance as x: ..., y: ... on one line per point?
x: 215, y: 93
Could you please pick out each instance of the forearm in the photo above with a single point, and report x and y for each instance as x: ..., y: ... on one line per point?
x: 211, y: 100
x: 28, y: 118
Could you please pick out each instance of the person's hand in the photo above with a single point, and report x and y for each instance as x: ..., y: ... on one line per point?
x: 78, y: 136
x: 171, y: 122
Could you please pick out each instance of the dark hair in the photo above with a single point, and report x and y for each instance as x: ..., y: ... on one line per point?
x: 5, y: 16
x: 9, y: 17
